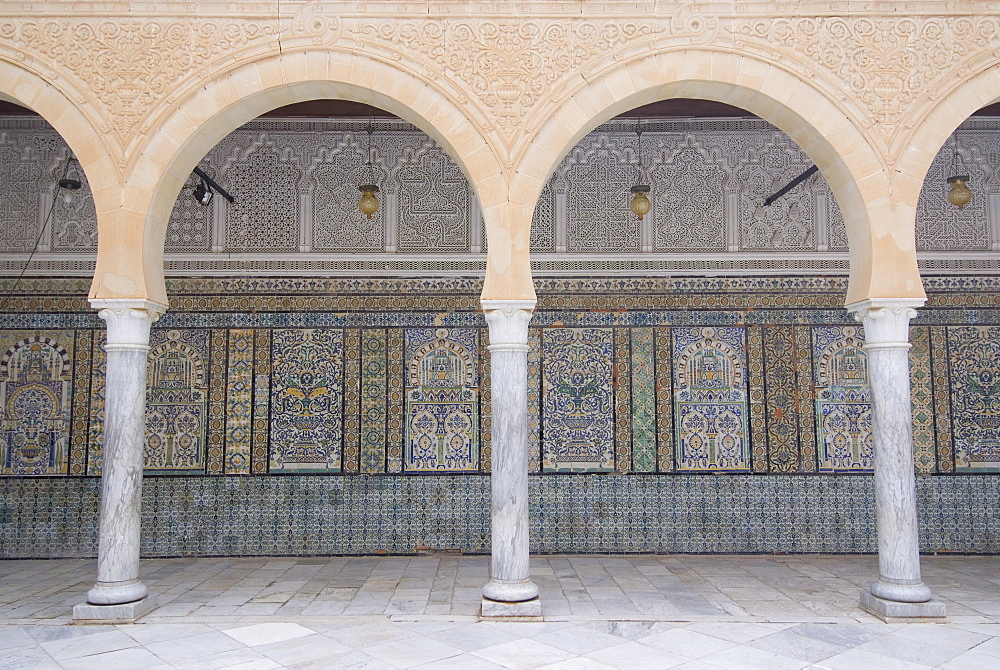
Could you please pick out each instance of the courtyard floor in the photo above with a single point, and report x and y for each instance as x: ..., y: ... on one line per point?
x: 636, y: 612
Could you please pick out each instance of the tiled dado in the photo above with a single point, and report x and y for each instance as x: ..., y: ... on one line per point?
x: 315, y: 515
x: 646, y: 376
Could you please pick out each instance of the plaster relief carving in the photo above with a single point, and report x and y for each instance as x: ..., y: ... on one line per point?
x: 130, y: 65
x: 509, y: 65
x: 888, y: 64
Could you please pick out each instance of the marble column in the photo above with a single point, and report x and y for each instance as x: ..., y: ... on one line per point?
x: 119, y: 595
x: 899, y: 593
x: 510, y: 591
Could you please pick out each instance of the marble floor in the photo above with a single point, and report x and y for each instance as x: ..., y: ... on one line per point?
x: 677, y: 611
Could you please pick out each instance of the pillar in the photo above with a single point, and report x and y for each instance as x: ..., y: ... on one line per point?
x: 119, y: 594
x: 510, y: 591
x: 899, y: 593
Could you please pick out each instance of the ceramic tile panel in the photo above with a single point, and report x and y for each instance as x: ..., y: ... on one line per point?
x: 922, y: 392
x: 306, y: 413
x: 942, y: 399
x: 782, y: 399
x: 82, y: 378
x: 623, y: 400
x: 239, y: 402
x: 664, y: 401
x: 578, y: 513
x: 177, y: 401
x: 843, y: 399
x: 643, y: 408
x: 36, y: 394
x: 374, y: 375
x: 217, y: 403
x: 974, y: 356
x: 442, y: 400
x: 710, y: 399
x: 352, y: 399
x: 578, y: 424
x: 641, y: 328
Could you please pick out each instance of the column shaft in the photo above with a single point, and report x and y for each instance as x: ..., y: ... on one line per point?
x: 127, y: 348
x: 510, y: 580
x: 899, y: 592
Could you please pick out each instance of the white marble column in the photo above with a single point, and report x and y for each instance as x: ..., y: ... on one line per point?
x: 899, y: 592
x: 119, y: 595
x: 510, y: 591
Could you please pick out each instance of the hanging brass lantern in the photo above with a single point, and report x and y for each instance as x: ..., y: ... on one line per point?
x: 959, y: 195
x: 640, y: 204
x: 368, y: 203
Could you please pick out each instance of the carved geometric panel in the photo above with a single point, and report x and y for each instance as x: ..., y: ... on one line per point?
x: 710, y: 399
x: 442, y: 384
x: 176, y: 401
x: 688, y: 184
x: 433, y: 202
x: 974, y: 353
x: 307, y: 383
x: 940, y: 225
x: 190, y: 224
x: 265, y: 217
x: 543, y: 221
x: 337, y: 223
x: 789, y: 222
x: 578, y: 425
x: 74, y: 219
x: 21, y: 200
x: 843, y: 399
x: 36, y: 375
x: 597, y: 176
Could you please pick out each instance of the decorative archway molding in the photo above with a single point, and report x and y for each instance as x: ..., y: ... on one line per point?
x: 880, y: 230
x: 227, y: 101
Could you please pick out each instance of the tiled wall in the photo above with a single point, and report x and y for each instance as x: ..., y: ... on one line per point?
x: 315, y: 515
x: 362, y: 408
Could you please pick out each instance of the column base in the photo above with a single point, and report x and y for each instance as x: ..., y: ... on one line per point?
x: 86, y: 613
x: 528, y: 610
x: 891, y: 611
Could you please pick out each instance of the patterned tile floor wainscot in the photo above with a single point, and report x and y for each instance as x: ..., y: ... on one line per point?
x: 641, y: 611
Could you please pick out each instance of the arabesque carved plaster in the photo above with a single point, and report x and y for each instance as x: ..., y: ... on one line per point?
x: 500, y: 72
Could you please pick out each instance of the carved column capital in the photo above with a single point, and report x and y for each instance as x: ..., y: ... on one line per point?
x: 886, y: 321
x: 128, y: 320
x: 508, y: 322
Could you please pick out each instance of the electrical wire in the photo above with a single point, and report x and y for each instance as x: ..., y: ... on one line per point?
x: 41, y: 231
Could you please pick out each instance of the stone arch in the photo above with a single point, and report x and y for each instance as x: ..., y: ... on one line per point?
x: 822, y: 127
x: 80, y: 132
x: 932, y: 130
x: 226, y: 101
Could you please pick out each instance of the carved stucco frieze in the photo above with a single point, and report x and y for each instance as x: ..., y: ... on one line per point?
x: 888, y: 64
x: 131, y: 65
x: 510, y: 66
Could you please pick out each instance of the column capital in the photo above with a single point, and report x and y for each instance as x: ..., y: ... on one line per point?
x: 508, y: 322
x: 886, y: 320
x: 128, y: 319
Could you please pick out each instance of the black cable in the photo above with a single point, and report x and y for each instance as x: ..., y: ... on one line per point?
x: 38, y: 240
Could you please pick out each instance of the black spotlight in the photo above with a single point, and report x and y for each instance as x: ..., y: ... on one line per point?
x: 203, y: 194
